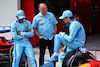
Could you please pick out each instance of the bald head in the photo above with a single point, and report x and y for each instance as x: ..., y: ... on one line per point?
x: 41, y: 5
x: 43, y: 8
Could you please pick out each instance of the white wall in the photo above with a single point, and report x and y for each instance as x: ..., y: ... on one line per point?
x: 8, y: 9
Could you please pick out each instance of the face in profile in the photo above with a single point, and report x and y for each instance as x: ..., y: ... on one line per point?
x: 66, y: 20
x: 21, y: 20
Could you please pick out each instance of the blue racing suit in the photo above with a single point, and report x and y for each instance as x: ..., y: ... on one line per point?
x: 22, y: 43
x: 74, y: 40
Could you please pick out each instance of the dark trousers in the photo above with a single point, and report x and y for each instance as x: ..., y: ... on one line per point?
x: 43, y: 44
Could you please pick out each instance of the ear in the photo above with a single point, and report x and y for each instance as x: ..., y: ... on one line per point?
x: 38, y: 9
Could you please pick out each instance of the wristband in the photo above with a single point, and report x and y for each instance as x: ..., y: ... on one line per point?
x: 22, y: 33
x: 62, y: 33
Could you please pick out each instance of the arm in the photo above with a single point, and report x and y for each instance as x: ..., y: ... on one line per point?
x: 34, y: 26
x: 14, y: 33
x: 29, y: 32
x: 69, y: 37
x: 55, y: 29
x: 55, y: 24
x: 72, y: 33
x: 37, y: 34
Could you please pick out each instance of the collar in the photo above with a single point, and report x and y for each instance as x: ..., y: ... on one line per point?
x: 70, y: 22
x: 41, y: 13
x: 20, y: 22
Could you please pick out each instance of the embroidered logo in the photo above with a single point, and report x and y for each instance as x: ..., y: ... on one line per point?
x: 49, y: 16
x: 25, y: 24
x: 21, y: 13
x: 41, y: 21
x: 18, y: 28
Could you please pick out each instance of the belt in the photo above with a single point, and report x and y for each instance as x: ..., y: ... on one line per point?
x: 24, y: 39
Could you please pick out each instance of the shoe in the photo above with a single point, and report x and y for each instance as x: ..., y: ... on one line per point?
x: 52, y: 59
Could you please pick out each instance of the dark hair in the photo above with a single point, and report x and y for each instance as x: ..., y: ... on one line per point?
x: 39, y: 6
x: 71, y: 17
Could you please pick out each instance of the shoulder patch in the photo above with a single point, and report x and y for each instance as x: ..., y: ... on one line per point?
x: 49, y: 16
x: 18, y: 28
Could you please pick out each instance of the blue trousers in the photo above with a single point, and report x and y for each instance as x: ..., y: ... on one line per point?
x: 59, y: 39
x: 19, y: 47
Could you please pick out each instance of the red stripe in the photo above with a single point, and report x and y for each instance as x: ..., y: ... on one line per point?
x: 92, y: 50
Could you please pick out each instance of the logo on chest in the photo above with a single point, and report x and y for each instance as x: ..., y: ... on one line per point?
x: 25, y: 24
x: 49, y: 16
x: 18, y: 28
x: 41, y: 21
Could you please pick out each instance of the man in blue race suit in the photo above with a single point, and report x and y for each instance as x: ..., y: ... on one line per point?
x: 21, y: 31
x: 74, y: 40
x: 45, y: 22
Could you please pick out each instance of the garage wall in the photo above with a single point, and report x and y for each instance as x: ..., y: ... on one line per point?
x: 8, y: 9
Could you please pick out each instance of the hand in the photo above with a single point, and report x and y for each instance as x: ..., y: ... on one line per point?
x: 40, y: 37
x: 53, y: 35
x: 18, y: 33
x: 60, y: 32
x: 29, y: 30
x: 63, y: 49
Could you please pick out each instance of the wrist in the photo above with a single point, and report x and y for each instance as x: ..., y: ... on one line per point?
x: 22, y: 33
x: 62, y: 33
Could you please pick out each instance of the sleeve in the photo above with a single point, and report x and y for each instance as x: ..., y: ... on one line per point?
x: 29, y: 34
x: 34, y: 23
x: 72, y: 33
x: 54, y: 19
x: 14, y: 33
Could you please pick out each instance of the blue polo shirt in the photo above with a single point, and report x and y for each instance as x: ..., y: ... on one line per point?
x: 45, y: 25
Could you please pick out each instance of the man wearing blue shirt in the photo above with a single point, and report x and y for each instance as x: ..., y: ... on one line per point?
x: 74, y: 40
x: 21, y: 31
x: 45, y: 22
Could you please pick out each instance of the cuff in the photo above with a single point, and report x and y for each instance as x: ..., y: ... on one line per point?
x: 22, y: 33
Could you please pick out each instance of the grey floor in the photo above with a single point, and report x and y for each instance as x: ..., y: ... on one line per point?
x: 93, y: 42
